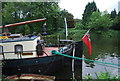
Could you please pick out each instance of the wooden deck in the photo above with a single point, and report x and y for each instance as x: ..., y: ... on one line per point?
x: 48, y: 50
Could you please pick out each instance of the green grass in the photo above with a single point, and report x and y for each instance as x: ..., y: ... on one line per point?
x: 103, y: 75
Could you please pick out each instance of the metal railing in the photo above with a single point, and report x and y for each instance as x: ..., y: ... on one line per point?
x: 20, y: 52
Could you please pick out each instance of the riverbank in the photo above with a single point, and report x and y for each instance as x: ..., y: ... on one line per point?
x: 76, y: 34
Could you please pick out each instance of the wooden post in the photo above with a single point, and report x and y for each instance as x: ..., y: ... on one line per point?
x: 73, y: 64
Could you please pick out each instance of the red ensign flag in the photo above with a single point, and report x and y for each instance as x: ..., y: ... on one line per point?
x: 86, y: 40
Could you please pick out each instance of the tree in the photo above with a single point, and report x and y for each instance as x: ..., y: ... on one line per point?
x: 70, y: 21
x: 24, y: 11
x: 78, y: 24
x: 89, y: 9
x: 100, y: 21
x: 113, y: 14
x: 116, y: 22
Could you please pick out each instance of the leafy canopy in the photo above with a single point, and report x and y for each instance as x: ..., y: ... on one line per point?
x: 100, y: 21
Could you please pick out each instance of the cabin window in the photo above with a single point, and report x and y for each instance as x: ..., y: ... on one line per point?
x: 1, y: 49
x: 18, y: 48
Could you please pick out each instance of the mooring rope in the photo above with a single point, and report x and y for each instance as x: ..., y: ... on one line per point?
x: 78, y: 58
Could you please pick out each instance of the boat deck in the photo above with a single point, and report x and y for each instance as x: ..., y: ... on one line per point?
x: 48, y: 50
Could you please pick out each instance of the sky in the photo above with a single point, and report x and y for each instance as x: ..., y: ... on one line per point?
x: 77, y: 7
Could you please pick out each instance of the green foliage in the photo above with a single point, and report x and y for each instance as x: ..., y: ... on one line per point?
x: 106, y: 75
x: 113, y: 14
x: 88, y: 77
x: 7, y: 12
x: 109, y: 33
x: 14, y: 12
x: 70, y: 21
x: 116, y: 22
x: 27, y: 29
x: 89, y: 9
x: 99, y: 21
x: 73, y: 33
x: 79, y: 25
x: 76, y: 34
x: 102, y: 76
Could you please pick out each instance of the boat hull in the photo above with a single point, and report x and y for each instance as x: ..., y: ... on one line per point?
x: 78, y: 53
x: 38, y: 65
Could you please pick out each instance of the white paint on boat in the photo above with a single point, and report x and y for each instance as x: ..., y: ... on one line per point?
x: 28, y: 45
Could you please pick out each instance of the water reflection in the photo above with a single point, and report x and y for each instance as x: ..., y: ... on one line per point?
x: 100, y: 68
x: 105, y: 49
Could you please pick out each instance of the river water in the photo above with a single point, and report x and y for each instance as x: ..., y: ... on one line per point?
x: 105, y: 49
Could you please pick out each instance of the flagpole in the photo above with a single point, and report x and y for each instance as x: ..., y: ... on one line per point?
x: 66, y: 28
x: 86, y: 33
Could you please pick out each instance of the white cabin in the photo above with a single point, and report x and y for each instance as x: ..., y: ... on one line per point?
x: 12, y: 46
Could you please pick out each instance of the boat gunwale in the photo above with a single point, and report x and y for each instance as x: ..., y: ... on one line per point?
x: 37, y: 57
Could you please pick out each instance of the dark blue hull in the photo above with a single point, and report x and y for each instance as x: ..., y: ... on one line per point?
x: 38, y: 65
x: 78, y: 53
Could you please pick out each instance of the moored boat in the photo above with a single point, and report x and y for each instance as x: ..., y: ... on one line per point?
x: 37, y: 65
x: 30, y: 56
x: 27, y: 54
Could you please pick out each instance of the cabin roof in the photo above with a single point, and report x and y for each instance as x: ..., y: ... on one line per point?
x: 15, y: 34
x: 22, y: 38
